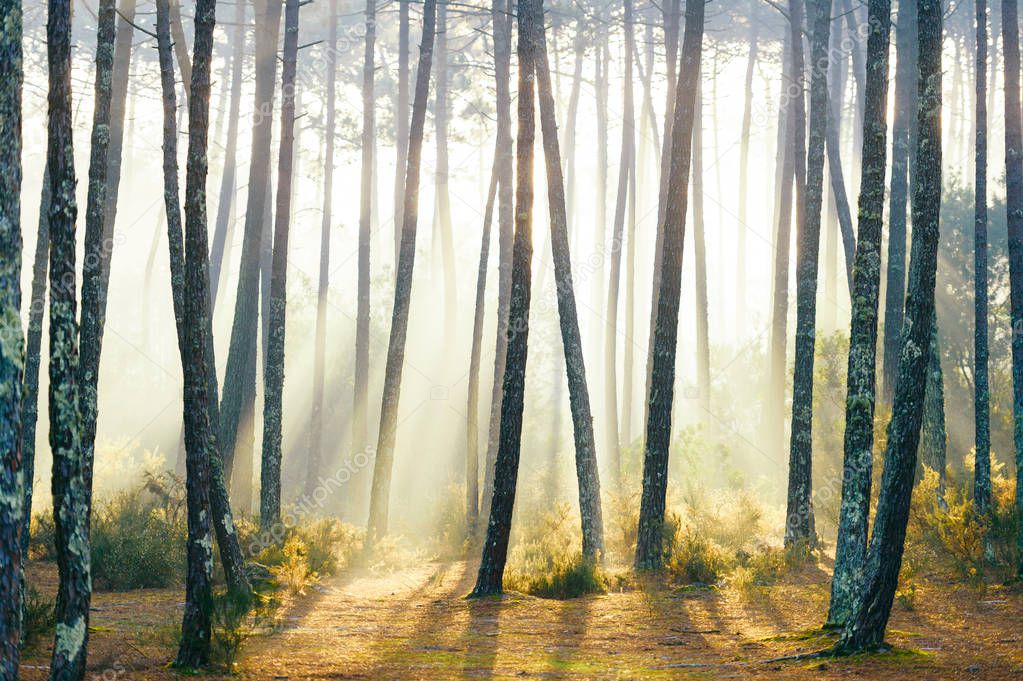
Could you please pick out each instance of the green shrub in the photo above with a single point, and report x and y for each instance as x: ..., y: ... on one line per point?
x: 138, y: 542
x: 691, y: 558
x: 763, y: 567
x: 558, y: 577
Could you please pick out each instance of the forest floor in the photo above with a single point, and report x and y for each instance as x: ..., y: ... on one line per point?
x: 416, y: 624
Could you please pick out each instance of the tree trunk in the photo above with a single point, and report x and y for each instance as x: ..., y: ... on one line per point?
x: 774, y: 411
x: 570, y: 125
x: 495, y: 547
x: 741, y: 274
x: 273, y: 372
x: 359, y: 435
x: 649, y: 553
x: 861, y: 396
x: 70, y: 498
x: 320, y: 344
x: 200, y: 433
x: 625, y: 169
x: 799, y: 526
x: 442, y: 210
x: 181, y: 46
x: 33, y: 352
x: 502, y: 22
x: 671, y: 33
x: 228, y: 183
x: 401, y: 123
x: 381, y: 489
x: 12, y: 360
x: 934, y: 438
x: 700, y: 263
x: 865, y: 630
x: 902, y: 140
x: 1014, y: 217
x: 101, y: 212
x: 240, y: 377
x: 579, y: 397
x: 982, y: 397
x: 472, y: 428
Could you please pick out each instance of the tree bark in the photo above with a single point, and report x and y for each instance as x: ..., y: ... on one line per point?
x: 382, y: 465
x: 70, y: 497
x: 320, y: 343
x: 625, y: 169
x: 981, y: 394
x: 582, y: 418
x: 238, y: 399
x: 861, y: 395
x: 502, y: 22
x: 361, y: 397
x: 273, y: 373
x: 12, y: 482
x: 495, y: 547
x: 799, y: 526
x: 865, y: 630
x: 649, y: 552
x: 902, y: 140
x: 228, y: 183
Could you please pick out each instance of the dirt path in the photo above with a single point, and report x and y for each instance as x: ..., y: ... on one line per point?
x: 416, y: 624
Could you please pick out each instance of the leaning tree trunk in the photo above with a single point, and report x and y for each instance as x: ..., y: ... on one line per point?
x: 1014, y: 216
x: 70, y: 498
x: 13, y: 357
x: 495, y: 547
x: 381, y: 488
x: 315, y: 461
x: 502, y: 23
x: 649, y: 553
x: 579, y: 397
x: 861, y: 395
x: 799, y: 527
x: 902, y: 141
x: 981, y: 394
x: 625, y: 169
x: 702, y: 325
x: 359, y: 435
x: 273, y: 373
x: 239, y: 393
x: 865, y: 629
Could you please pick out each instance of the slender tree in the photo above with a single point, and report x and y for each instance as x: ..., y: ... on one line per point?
x: 320, y: 343
x: 442, y: 205
x: 12, y: 359
x: 902, y: 141
x: 273, y: 374
x: 1014, y: 218
x: 228, y: 182
x: 238, y: 401
x: 865, y: 629
x: 625, y: 169
x: 579, y: 398
x: 649, y: 553
x: 861, y: 396
x: 502, y: 22
x: 70, y: 499
x: 799, y: 527
x: 744, y: 138
x: 381, y: 488
x: 359, y: 436
x: 982, y: 398
x: 401, y: 123
x: 702, y: 325
x: 489, y: 580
